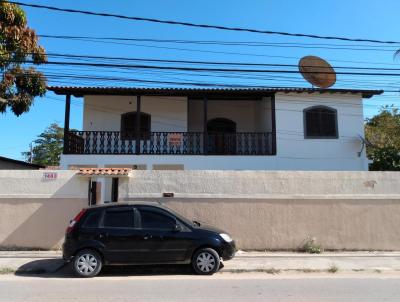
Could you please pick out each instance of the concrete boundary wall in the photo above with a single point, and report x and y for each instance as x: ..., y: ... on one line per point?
x: 263, y: 210
x: 35, y: 210
x: 36, y: 222
x: 261, y: 184
x: 285, y: 224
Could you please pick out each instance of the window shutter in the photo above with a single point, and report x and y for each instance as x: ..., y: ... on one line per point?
x: 320, y: 122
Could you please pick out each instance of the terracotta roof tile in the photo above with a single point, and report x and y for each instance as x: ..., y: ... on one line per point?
x: 104, y: 171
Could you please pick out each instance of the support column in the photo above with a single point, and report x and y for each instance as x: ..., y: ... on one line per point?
x: 138, y: 134
x: 66, y: 122
x: 273, y: 120
x: 205, y: 119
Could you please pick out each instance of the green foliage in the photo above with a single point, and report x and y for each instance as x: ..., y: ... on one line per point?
x: 48, y: 147
x: 311, y: 247
x: 7, y: 270
x: 333, y: 269
x: 383, y: 132
x: 19, y: 85
x: 385, y: 159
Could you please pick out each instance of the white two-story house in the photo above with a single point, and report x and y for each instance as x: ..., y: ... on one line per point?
x: 217, y: 129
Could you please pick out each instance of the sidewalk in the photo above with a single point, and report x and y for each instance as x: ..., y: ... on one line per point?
x: 50, y: 261
x: 301, y: 262
x: 30, y: 261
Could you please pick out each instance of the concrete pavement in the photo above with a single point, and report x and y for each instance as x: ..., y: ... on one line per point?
x: 219, y: 287
x: 30, y: 261
x: 342, y: 261
x: 50, y: 261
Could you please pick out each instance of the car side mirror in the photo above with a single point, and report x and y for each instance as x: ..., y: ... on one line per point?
x: 177, y: 228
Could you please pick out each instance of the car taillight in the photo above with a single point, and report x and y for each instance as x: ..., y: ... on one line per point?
x: 75, y: 221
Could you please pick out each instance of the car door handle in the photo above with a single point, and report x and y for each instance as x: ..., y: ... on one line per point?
x: 147, y: 236
x: 103, y: 235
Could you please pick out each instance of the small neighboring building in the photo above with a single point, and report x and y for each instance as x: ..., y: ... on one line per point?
x: 13, y: 164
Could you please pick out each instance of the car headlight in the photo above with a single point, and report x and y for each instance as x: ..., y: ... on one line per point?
x: 226, y: 237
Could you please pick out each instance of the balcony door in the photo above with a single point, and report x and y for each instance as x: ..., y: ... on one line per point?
x: 221, y: 136
x: 128, y: 125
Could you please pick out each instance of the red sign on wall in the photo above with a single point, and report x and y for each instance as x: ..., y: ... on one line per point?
x: 50, y: 175
x: 175, y: 139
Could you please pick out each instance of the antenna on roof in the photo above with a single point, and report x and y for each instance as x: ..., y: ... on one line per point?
x: 317, y: 71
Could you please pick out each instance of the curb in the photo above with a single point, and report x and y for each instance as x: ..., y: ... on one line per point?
x: 273, y: 271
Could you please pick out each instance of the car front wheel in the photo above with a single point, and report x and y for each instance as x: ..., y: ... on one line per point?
x: 87, y: 263
x: 206, y: 261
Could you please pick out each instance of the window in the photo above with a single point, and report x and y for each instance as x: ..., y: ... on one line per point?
x: 155, y: 220
x: 128, y: 125
x: 119, y: 218
x: 92, y: 220
x: 320, y: 122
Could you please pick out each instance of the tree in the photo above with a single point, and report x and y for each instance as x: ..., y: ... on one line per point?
x: 383, y: 133
x: 19, y: 85
x: 385, y: 159
x: 47, y: 147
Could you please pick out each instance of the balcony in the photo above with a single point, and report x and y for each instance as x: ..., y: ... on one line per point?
x: 168, y: 143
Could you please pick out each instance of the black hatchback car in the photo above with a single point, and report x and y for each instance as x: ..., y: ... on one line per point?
x: 142, y: 233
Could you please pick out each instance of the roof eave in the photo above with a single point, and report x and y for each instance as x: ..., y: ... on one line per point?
x: 20, y: 162
x: 202, y: 92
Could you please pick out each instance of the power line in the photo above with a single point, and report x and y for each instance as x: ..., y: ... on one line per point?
x: 185, y: 81
x: 208, y: 62
x: 119, y: 112
x: 205, y: 42
x: 208, y: 26
x: 278, y: 78
x: 328, y: 100
x: 211, y: 69
x: 98, y: 79
x: 230, y: 53
x: 382, y: 48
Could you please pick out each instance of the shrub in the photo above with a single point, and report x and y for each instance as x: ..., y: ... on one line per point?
x: 311, y: 247
x: 333, y: 269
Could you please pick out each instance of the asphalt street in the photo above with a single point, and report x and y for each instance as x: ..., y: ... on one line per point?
x: 186, y: 287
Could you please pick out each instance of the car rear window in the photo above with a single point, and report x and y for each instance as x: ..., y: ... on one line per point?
x: 92, y: 220
x: 119, y: 219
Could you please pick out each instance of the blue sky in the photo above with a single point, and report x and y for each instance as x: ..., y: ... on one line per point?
x: 356, y: 18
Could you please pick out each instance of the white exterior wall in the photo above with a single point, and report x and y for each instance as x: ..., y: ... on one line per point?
x: 297, y: 153
x: 294, y: 152
x: 32, y: 184
x: 103, y: 112
x: 249, y: 115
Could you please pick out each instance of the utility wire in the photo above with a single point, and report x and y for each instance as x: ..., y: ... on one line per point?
x: 227, y: 43
x: 225, y: 52
x: 231, y: 75
x: 208, y: 42
x: 189, y: 24
x: 212, y: 69
x: 74, y: 56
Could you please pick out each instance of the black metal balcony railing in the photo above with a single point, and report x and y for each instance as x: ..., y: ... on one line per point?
x: 164, y: 143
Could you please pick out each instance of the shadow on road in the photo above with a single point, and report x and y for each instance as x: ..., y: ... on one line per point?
x: 57, y: 268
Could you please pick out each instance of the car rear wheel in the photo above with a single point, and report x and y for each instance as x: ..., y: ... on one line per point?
x: 206, y: 261
x: 87, y: 263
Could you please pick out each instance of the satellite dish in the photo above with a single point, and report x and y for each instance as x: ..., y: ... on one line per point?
x: 317, y: 71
